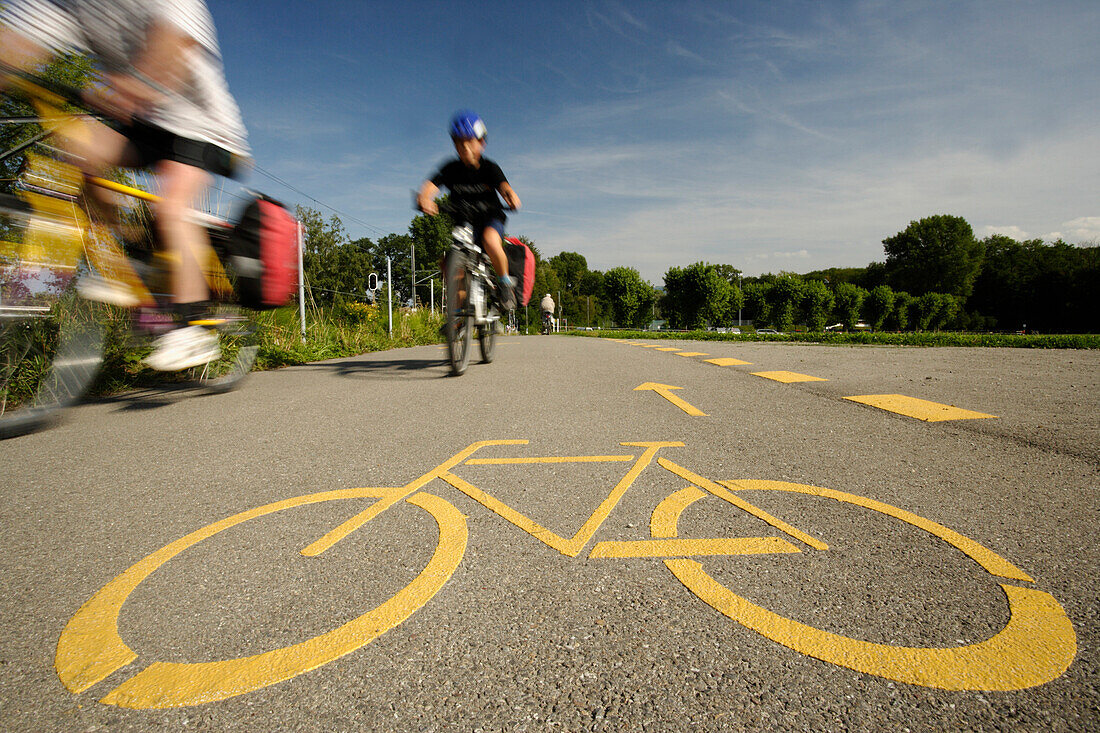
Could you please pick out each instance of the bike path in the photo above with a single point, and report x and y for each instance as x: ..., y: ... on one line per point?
x: 520, y: 633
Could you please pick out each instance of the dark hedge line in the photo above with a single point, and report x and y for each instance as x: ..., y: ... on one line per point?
x: 932, y: 338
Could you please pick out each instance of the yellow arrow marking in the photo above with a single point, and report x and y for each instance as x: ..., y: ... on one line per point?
x: 664, y: 391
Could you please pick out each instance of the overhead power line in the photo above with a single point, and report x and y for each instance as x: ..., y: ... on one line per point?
x: 333, y: 209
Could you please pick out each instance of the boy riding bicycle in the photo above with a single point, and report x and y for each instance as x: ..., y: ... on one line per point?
x: 164, y: 87
x: 474, y: 182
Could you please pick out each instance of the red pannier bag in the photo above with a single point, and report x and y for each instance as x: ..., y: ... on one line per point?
x: 263, y: 254
x: 521, y: 266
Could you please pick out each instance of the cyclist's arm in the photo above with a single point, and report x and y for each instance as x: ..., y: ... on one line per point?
x: 18, y: 53
x: 425, y: 199
x: 509, y: 195
x: 157, y: 69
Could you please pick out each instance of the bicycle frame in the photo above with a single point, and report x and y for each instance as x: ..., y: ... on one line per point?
x: 478, y: 292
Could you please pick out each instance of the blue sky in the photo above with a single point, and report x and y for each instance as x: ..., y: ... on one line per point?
x: 771, y: 136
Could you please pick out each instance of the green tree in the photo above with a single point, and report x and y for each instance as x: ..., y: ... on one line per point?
x: 432, y: 236
x: 334, y: 266
x: 591, y: 283
x: 784, y: 299
x: 878, y: 306
x: 590, y: 298
x: 729, y: 273
x: 695, y: 296
x: 546, y: 281
x: 734, y: 305
x: 571, y: 268
x: 756, y: 302
x: 630, y: 298
x: 817, y: 304
x: 848, y: 302
x: 71, y: 71
x: 938, y: 253
x: 1049, y: 287
x: 398, y: 247
x: 899, y: 314
x: 929, y: 307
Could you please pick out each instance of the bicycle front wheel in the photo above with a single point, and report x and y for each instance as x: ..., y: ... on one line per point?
x: 459, y: 323
x: 51, y: 339
x: 487, y: 338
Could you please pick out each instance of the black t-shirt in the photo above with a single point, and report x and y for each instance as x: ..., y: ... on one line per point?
x: 473, y: 187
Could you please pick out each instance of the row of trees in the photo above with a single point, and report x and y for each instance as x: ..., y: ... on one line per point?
x: 936, y: 275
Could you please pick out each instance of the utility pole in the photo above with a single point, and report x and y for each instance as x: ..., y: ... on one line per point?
x: 742, y: 301
x: 301, y: 280
x: 412, y: 248
x: 389, y: 291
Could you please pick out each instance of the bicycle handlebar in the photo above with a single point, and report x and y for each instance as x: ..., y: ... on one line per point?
x: 465, y: 210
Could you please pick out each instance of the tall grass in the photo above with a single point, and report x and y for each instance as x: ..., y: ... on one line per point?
x: 331, y: 332
x: 342, y: 330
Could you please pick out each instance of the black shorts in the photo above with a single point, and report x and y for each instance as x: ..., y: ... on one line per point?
x: 152, y: 144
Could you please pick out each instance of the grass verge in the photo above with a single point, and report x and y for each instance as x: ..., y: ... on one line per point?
x: 922, y: 338
x: 331, y: 333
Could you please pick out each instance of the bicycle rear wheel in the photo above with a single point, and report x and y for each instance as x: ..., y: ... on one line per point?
x: 459, y: 324
x: 239, y: 339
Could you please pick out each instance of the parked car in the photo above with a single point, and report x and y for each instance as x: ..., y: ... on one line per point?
x: 766, y: 330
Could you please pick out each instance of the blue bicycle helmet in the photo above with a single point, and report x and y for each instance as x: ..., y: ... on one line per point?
x: 466, y: 125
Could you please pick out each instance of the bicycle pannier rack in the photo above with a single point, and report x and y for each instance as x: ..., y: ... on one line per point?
x: 521, y: 266
x: 263, y: 254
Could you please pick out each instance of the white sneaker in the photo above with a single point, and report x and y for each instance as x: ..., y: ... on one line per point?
x: 183, y: 348
x: 100, y: 289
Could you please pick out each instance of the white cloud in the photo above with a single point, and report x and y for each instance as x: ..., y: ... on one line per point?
x: 761, y: 215
x: 1014, y: 232
x: 1080, y: 230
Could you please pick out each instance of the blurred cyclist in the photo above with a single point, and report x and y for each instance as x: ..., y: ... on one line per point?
x: 474, y: 182
x: 164, y: 86
x: 547, y: 308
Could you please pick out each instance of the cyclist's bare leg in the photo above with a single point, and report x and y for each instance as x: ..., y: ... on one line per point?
x: 490, y: 240
x: 98, y: 149
x: 185, y: 242
x: 183, y: 239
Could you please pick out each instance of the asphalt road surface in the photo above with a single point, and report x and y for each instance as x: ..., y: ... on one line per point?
x: 740, y: 553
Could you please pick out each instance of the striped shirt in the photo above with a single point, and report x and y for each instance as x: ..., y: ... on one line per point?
x: 114, y: 32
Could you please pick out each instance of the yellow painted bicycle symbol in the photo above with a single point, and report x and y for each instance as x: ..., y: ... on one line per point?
x: 1037, y: 644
